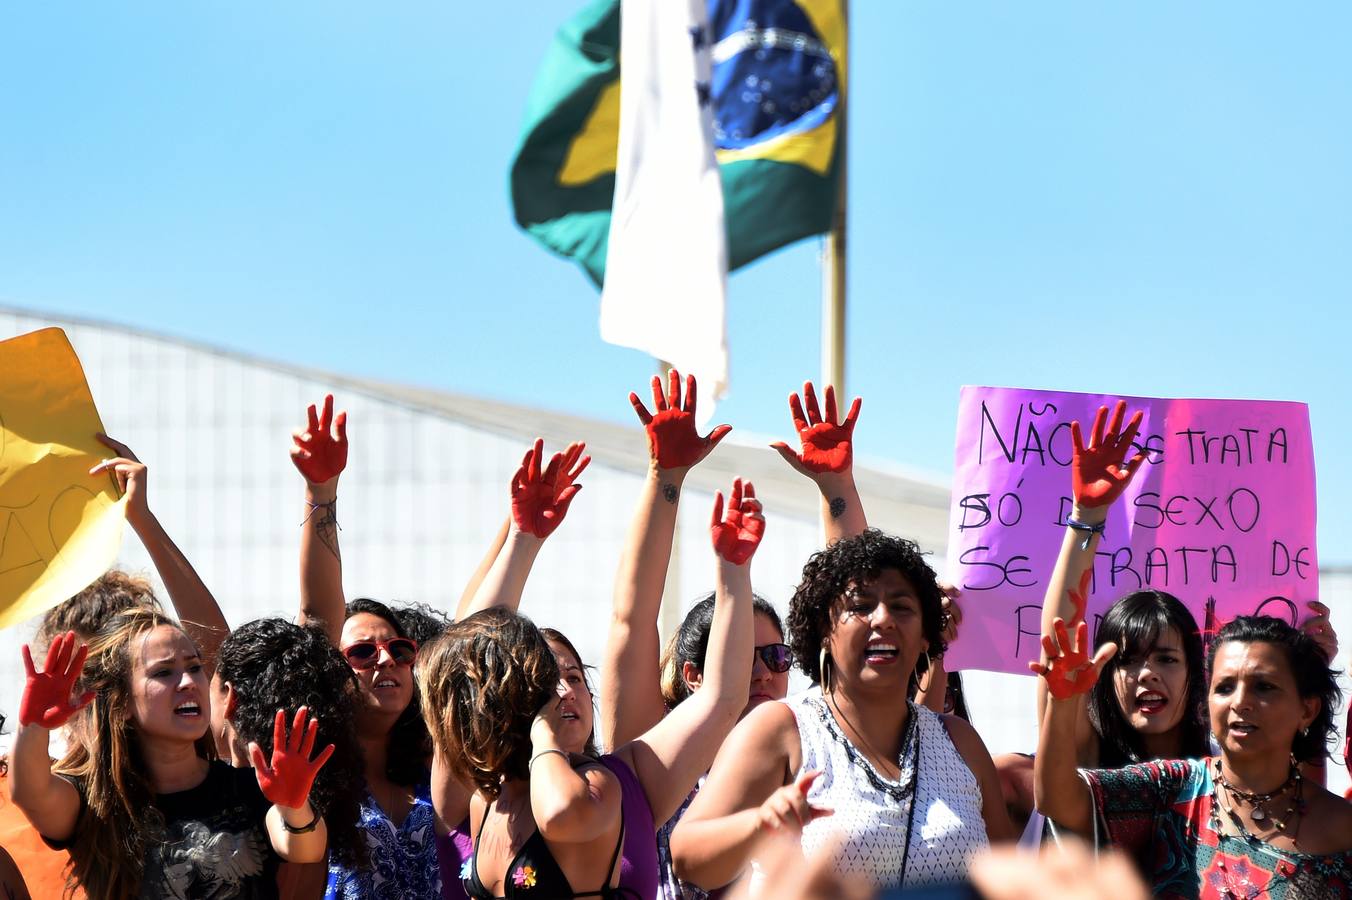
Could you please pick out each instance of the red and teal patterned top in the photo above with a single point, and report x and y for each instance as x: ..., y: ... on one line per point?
x: 1160, y: 813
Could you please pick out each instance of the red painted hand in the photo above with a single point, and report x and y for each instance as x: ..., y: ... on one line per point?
x: 827, y: 443
x: 540, y: 499
x: 319, y: 453
x: 1080, y: 598
x: 1069, y: 670
x: 287, y: 780
x: 737, y: 534
x: 1098, y: 473
x: 46, y: 694
x: 673, y: 442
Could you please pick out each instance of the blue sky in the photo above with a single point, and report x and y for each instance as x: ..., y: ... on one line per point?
x: 1147, y: 200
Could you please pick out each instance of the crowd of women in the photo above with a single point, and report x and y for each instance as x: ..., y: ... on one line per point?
x: 373, y: 750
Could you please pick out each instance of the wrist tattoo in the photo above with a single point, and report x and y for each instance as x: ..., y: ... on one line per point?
x: 325, y: 517
x: 670, y: 492
x: 837, y: 507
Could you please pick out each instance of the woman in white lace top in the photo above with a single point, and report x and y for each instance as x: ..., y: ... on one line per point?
x: 901, y: 795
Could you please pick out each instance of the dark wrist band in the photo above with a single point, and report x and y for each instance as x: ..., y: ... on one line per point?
x: 302, y: 829
x: 1088, y: 530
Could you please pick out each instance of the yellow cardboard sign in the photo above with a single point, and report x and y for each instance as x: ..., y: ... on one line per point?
x: 60, y: 527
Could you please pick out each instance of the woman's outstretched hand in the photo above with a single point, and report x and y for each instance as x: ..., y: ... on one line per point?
x: 1099, y: 474
x: 826, y: 443
x: 130, y: 473
x: 1069, y: 670
x: 319, y: 450
x: 673, y: 442
x: 738, y: 532
x: 540, y: 497
x: 46, y: 695
x: 788, y: 807
x: 287, y: 779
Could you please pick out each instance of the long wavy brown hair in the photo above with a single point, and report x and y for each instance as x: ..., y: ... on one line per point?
x: 481, y: 684
x: 120, y: 821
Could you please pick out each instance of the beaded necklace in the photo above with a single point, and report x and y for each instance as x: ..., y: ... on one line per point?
x: 1220, y: 789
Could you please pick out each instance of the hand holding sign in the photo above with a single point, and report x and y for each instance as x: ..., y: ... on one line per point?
x: 673, y: 442
x: 827, y: 444
x: 130, y: 473
x: 46, y: 699
x: 1069, y: 670
x: 319, y: 451
x: 1098, y: 476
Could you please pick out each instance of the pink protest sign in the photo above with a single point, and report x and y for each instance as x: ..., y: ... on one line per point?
x: 1221, y: 514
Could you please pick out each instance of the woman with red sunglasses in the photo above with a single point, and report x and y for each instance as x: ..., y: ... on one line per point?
x: 396, y: 814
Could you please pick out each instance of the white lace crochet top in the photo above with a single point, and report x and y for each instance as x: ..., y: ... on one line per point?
x: 872, y: 813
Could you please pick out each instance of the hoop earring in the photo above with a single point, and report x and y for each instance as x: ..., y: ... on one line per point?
x: 929, y: 675
x: 824, y: 677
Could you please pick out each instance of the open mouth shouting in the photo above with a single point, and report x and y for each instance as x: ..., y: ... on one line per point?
x: 1151, y: 703
x: 1241, y: 730
x: 188, y: 709
x: 880, y: 653
x: 385, y: 683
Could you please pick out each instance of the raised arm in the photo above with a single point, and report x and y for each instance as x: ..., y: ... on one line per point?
x: 485, y: 564
x: 1100, y: 473
x: 1068, y: 673
x: 671, y: 756
x: 197, y: 609
x: 540, y: 500
x: 295, y: 828
x: 51, y: 803
x: 932, y: 689
x: 826, y: 455
x: 319, y: 452
x: 632, y: 644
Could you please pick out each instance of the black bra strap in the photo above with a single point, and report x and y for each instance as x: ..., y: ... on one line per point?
x: 619, y: 843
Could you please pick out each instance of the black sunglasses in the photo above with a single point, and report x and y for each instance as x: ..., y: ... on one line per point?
x: 777, y: 657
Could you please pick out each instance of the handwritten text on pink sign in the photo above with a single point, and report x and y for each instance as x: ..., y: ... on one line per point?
x: 1221, y: 515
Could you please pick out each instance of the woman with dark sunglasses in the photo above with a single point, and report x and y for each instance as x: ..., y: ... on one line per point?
x: 397, y: 815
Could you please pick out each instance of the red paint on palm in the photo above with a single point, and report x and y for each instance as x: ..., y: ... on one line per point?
x: 286, y: 779
x: 46, y: 695
x: 319, y: 452
x: 1069, y: 670
x: 826, y: 443
x: 540, y: 497
x: 738, y: 532
x: 1100, y: 471
x: 673, y: 441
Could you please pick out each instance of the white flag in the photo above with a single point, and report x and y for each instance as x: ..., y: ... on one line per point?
x: 667, y: 262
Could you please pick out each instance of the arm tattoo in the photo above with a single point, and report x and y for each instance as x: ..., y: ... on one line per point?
x: 325, y: 516
x: 837, y: 507
x: 669, y: 492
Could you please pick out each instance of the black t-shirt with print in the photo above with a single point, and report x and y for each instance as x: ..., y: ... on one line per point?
x: 215, y: 844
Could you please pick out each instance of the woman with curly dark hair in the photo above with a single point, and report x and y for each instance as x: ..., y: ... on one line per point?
x: 397, y: 816
x: 269, y: 664
x: 1243, y: 823
x: 906, y: 793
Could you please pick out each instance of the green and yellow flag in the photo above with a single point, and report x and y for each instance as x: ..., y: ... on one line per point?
x: 778, y: 78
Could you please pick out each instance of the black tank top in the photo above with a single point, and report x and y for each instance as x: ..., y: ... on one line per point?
x: 533, y: 872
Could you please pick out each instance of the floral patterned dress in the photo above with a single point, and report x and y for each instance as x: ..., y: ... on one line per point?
x: 1160, y: 813
x: 403, y: 858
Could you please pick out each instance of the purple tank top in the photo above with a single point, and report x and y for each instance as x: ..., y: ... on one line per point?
x: 453, y: 851
x: 638, y: 856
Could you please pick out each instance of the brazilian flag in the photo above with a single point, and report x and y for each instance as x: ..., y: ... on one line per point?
x: 778, y: 78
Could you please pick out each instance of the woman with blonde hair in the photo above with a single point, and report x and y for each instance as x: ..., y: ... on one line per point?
x: 144, y: 806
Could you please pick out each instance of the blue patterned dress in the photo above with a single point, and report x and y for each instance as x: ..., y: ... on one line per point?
x: 403, y: 858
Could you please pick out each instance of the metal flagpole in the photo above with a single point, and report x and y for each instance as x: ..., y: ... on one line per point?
x: 833, y: 251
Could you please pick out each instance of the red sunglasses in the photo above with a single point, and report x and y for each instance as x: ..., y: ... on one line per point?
x: 365, y: 654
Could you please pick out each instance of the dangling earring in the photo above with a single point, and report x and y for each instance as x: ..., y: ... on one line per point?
x: 822, y: 667
x: 929, y: 675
